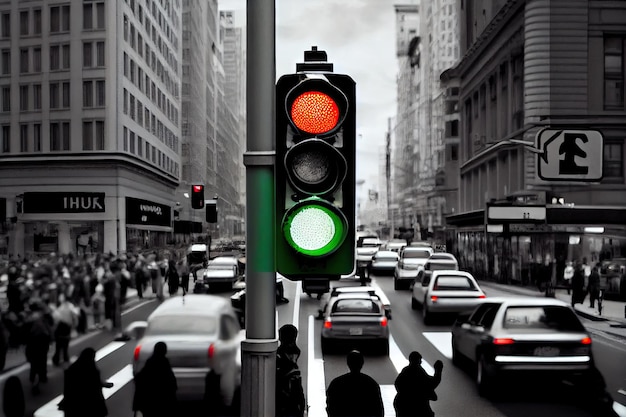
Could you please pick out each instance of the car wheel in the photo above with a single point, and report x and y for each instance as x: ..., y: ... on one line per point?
x: 414, y: 304
x: 483, y: 379
x: 426, y: 315
x: 326, y: 345
x: 384, y: 347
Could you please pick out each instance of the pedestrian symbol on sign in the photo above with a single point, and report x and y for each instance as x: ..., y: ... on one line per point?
x: 570, y: 155
x: 569, y: 148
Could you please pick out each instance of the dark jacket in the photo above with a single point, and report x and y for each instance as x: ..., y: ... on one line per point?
x: 354, y: 394
x: 155, y: 388
x: 415, y: 391
x: 82, y: 389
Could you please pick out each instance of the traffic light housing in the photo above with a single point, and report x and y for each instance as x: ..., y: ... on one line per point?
x: 315, y: 175
x: 211, y: 211
x: 197, y: 196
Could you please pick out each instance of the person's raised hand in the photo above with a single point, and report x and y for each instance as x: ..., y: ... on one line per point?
x: 438, y: 365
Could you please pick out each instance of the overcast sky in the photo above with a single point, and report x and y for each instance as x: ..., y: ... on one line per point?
x: 359, y: 38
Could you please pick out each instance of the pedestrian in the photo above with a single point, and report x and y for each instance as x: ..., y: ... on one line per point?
x: 355, y: 393
x: 4, y: 342
x: 97, y: 306
x: 66, y: 319
x: 13, y: 400
x: 415, y: 388
x: 155, y: 385
x: 183, y: 272
x: 290, y: 401
x: 593, y: 287
x: 173, y: 280
x: 578, y: 285
x: 82, y: 388
x: 39, y: 336
x: 568, y: 274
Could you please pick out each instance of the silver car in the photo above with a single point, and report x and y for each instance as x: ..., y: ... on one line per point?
x: 384, y: 262
x: 355, y: 319
x: 202, y: 335
x: 529, y: 337
x: 412, y: 259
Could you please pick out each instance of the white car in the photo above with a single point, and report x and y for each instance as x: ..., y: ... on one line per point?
x: 446, y: 292
x: 368, y: 249
x: 384, y: 262
x: 395, y: 245
x: 412, y: 259
x: 203, y: 336
x: 338, y: 291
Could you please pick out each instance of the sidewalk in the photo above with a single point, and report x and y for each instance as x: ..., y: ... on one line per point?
x: 611, y: 321
x: 17, y: 357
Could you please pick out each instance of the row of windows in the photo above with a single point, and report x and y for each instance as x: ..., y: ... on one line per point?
x: 614, y: 74
x: 30, y: 59
x: 136, y: 75
x: 60, y: 18
x: 137, y: 145
x: 30, y: 97
x: 30, y: 135
x: 137, y: 43
x: 133, y: 107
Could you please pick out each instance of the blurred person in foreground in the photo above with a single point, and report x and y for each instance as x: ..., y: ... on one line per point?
x: 39, y: 336
x: 155, y: 386
x: 354, y: 394
x: 82, y: 388
x: 290, y: 401
x: 415, y: 388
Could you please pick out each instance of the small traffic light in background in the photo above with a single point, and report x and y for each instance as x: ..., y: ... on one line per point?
x: 197, y: 196
x: 315, y: 171
x: 211, y: 211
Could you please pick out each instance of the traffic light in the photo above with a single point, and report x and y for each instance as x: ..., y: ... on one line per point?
x: 211, y: 211
x: 315, y: 175
x: 197, y: 196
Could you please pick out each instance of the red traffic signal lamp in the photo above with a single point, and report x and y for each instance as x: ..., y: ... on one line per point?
x: 197, y: 196
x: 315, y: 173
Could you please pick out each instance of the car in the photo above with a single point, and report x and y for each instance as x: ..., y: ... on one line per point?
x: 384, y: 262
x: 420, y: 285
x: 203, y: 337
x: 238, y: 299
x: 366, y: 250
x: 448, y: 292
x: 354, y: 319
x: 412, y: 259
x: 395, y: 245
x: 221, y: 271
x: 521, y: 336
x: 338, y: 291
x: 436, y: 256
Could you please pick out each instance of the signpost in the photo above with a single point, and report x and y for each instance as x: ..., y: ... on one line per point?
x: 570, y: 154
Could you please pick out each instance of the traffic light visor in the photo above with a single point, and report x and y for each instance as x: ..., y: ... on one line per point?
x: 316, y: 107
x: 314, y: 227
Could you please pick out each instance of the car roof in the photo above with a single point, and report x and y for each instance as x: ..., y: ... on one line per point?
x: 442, y: 255
x: 386, y: 253
x: 453, y: 272
x: 198, y: 247
x: 192, y: 304
x: 352, y: 289
x: 224, y: 259
x: 526, y: 301
x: 418, y: 249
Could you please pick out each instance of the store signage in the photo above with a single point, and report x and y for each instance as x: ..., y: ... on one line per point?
x: 63, y: 202
x: 523, y: 213
x: 146, y: 212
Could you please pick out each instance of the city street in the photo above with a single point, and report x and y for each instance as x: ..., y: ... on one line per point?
x: 457, y: 393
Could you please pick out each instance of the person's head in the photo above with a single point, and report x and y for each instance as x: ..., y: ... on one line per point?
x: 160, y: 349
x: 287, y: 334
x: 415, y: 358
x: 355, y: 361
x: 87, y: 356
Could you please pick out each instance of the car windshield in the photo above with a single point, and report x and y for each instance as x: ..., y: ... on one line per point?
x: 355, y: 306
x: 220, y: 266
x: 182, y: 324
x: 441, y: 266
x: 386, y: 258
x: 418, y: 254
x: 452, y: 282
x: 542, y: 317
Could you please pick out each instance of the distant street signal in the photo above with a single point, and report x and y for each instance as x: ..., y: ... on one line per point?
x: 197, y: 196
x: 211, y: 211
x: 315, y: 171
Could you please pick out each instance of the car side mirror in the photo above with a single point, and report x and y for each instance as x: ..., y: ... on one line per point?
x: 466, y: 326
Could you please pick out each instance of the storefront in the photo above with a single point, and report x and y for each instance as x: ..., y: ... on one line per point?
x: 148, y: 225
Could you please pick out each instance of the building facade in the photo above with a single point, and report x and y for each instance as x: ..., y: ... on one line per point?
x: 90, y: 124
x: 527, y: 66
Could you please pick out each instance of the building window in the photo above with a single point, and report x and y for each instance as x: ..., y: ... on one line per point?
x: 87, y: 55
x: 37, y: 59
x: 100, y: 54
x: 37, y: 96
x: 6, y: 25
x: 87, y: 136
x: 87, y: 93
x: 66, y: 56
x: 132, y: 142
x: 37, y: 21
x: 66, y: 94
x: 24, y: 97
x: 59, y: 19
x: 6, y: 98
x: 37, y: 137
x: 139, y: 146
x: 60, y: 136
x: 613, y: 162
x: 88, y: 16
x: 6, y: 139
x: 100, y: 135
x: 54, y: 95
x: 125, y: 102
x: 23, y: 138
x: 6, y: 61
x: 23, y: 60
x: 614, y: 72
x: 125, y: 139
x: 24, y: 23
x: 55, y: 58
x: 100, y: 15
x: 100, y: 93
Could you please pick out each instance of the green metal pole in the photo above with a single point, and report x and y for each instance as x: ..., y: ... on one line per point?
x: 259, y: 348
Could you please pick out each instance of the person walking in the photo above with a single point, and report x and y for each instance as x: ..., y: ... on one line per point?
x: 290, y: 401
x: 355, y: 393
x: 183, y: 272
x: 155, y: 385
x: 594, y: 285
x: 66, y: 319
x: 568, y: 274
x: 82, y: 388
x: 38, y: 341
x: 415, y: 388
x: 578, y: 285
x: 13, y: 400
x: 173, y: 279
